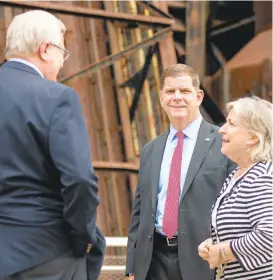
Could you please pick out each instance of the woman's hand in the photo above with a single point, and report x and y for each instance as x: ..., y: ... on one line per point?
x: 203, y: 249
x: 214, y: 256
x: 220, y: 254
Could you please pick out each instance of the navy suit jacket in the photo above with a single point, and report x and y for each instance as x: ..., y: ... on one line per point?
x: 48, y: 188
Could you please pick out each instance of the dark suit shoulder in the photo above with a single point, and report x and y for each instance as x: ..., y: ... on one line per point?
x: 52, y: 93
x: 29, y: 82
x: 55, y: 89
x: 33, y: 97
x: 215, y: 128
x: 55, y: 85
x: 210, y: 126
x: 151, y: 143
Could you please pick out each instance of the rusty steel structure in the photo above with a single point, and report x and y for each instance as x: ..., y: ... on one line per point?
x: 119, y: 50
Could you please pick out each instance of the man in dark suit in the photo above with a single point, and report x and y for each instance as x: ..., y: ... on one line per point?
x: 48, y: 188
x: 181, y: 172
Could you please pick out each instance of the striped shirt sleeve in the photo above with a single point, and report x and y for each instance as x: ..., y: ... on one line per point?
x: 255, y: 248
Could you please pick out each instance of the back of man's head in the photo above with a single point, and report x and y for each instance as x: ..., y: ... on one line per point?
x: 28, y: 30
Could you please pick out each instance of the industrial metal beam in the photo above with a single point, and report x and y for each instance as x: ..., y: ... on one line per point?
x: 178, y: 26
x: 196, y: 36
x: 94, y: 13
x: 212, y: 109
x: 177, y: 4
x: 143, y: 76
x: 110, y: 59
x: 155, y: 9
x: 122, y: 101
x: 179, y: 48
x: 115, y: 166
x: 225, y: 72
x: 230, y: 26
x: 167, y: 57
x: 218, y: 54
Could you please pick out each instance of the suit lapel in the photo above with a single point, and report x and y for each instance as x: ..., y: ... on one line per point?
x: 157, y: 155
x: 204, y: 140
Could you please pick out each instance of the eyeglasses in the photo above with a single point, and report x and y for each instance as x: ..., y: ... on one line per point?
x: 66, y: 53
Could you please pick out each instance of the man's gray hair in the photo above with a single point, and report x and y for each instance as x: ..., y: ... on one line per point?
x: 28, y: 30
x: 257, y: 117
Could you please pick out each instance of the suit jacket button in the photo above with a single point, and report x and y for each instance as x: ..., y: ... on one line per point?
x: 150, y: 237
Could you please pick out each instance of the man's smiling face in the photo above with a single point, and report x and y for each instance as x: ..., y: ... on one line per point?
x: 180, y: 99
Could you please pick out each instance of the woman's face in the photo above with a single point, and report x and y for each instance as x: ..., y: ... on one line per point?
x: 236, y: 140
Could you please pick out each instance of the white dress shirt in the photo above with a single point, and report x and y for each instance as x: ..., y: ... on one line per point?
x: 28, y: 64
x: 190, y: 137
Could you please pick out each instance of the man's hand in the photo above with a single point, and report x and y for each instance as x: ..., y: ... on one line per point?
x: 203, y: 249
x: 131, y: 277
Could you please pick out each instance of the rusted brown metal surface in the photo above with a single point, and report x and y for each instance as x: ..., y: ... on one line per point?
x: 116, y: 166
x: 250, y: 70
x: 177, y: 4
x: 233, y: 26
x: 110, y: 59
x: 65, y: 8
x: 196, y: 36
x: 129, y: 153
x: 167, y: 53
x: 121, y: 208
x: 263, y: 15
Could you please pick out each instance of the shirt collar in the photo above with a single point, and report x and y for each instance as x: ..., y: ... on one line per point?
x: 191, y: 131
x: 28, y: 64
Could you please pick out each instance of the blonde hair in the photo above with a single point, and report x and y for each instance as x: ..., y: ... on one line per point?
x: 28, y: 30
x: 177, y: 70
x: 257, y: 116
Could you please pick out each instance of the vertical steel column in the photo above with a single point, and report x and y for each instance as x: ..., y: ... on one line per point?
x: 146, y: 97
x: 122, y: 102
x: 156, y: 75
x: 118, y: 185
x: 167, y: 53
x: 196, y: 15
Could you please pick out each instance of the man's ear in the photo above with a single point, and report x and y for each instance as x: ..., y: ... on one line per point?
x: 42, y: 51
x: 161, y: 98
x: 200, y: 96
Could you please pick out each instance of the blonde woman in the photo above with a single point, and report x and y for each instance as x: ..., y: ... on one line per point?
x: 241, y: 219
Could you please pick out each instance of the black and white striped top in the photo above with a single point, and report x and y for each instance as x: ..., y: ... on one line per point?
x: 245, y: 217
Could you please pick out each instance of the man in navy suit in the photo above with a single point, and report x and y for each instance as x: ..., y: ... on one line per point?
x: 48, y: 188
